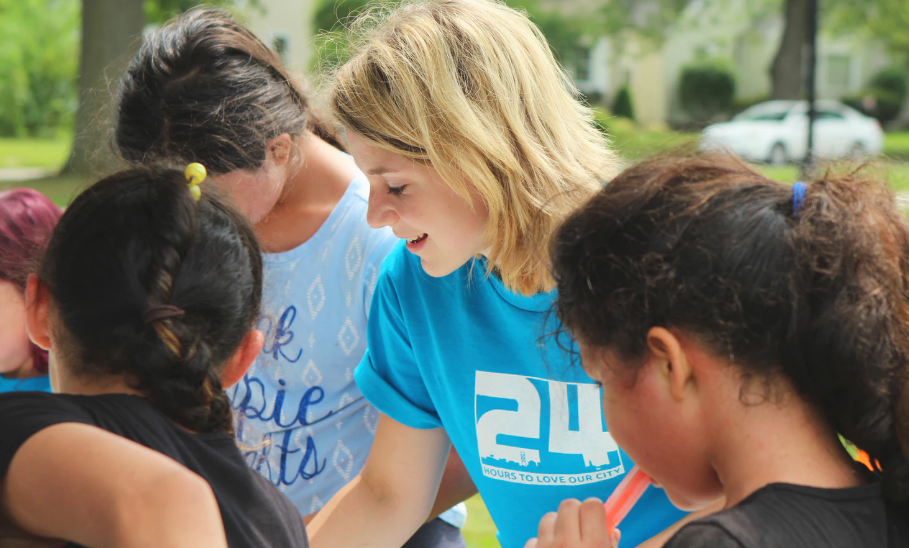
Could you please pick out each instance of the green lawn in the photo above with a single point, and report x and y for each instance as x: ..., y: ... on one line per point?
x: 34, y: 152
x: 896, y: 145
x: 895, y: 173
x: 60, y: 189
x: 642, y: 143
x: 480, y: 531
x: 632, y: 142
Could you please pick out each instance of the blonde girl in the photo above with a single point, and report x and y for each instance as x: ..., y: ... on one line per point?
x: 475, y: 149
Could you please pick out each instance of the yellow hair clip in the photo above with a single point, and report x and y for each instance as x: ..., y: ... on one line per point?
x: 195, y: 174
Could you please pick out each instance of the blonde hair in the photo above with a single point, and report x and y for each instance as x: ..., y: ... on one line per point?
x: 471, y: 87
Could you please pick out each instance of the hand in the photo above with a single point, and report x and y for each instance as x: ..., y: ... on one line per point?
x: 577, y: 525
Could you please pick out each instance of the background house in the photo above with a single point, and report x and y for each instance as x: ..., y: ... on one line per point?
x: 286, y: 26
x: 746, y: 40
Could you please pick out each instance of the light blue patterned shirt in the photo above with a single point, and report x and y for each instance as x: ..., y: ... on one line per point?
x: 302, y: 422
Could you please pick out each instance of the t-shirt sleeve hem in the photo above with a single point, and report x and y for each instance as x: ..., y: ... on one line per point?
x: 387, y: 399
x: 701, y: 533
x: 27, y: 413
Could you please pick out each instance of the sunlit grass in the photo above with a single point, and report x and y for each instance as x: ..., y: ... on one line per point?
x: 49, y: 153
x: 61, y: 190
x: 480, y: 531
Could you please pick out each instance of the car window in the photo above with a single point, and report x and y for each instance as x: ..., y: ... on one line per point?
x: 822, y: 115
x: 775, y: 116
x: 829, y: 115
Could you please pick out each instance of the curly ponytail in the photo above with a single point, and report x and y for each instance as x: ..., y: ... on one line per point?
x: 708, y: 245
x: 851, y: 317
x: 137, y: 240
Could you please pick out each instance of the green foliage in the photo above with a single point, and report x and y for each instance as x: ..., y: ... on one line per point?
x: 885, y: 21
x: 653, y: 20
x: 330, y: 23
x: 563, y: 31
x: 330, y: 13
x: 622, y: 105
x: 39, y: 61
x: 706, y: 89
x: 38, y: 66
x: 620, y: 16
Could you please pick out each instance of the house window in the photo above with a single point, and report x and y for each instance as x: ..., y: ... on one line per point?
x: 582, y: 64
x: 838, y: 71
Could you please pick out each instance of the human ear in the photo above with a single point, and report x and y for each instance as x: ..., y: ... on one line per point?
x: 242, y: 359
x: 37, y: 307
x: 279, y: 149
x: 671, y: 361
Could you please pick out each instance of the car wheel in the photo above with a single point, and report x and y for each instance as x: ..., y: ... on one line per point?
x: 857, y: 152
x: 778, y: 155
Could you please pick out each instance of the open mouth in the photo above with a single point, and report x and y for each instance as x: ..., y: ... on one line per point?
x: 417, y: 240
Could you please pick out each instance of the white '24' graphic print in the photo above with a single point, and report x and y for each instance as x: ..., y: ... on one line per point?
x: 540, y: 431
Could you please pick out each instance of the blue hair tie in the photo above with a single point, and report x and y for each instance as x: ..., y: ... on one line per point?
x: 798, y: 198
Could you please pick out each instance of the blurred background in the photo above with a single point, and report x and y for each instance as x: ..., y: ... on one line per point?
x: 660, y: 74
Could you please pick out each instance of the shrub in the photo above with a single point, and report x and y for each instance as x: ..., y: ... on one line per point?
x: 892, y: 79
x: 706, y: 89
x: 889, y: 88
x: 622, y: 105
x: 887, y: 91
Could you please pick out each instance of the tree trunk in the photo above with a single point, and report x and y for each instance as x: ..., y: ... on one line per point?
x: 786, y: 73
x: 111, y: 30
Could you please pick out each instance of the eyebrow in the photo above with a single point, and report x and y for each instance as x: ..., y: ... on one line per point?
x: 379, y: 171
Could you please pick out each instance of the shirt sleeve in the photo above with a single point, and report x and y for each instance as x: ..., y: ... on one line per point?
x: 27, y: 413
x: 702, y: 535
x: 389, y: 374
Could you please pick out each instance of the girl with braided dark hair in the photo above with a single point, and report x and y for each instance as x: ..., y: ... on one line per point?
x: 737, y: 326
x: 146, y: 301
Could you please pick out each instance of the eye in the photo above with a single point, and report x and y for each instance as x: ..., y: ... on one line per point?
x: 396, y: 190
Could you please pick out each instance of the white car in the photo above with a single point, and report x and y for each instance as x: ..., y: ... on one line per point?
x: 776, y: 132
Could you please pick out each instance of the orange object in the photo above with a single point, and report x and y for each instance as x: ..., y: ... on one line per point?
x: 625, y: 496
x: 863, y: 458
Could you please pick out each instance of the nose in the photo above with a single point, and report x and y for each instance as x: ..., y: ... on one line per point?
x: 380, y: 213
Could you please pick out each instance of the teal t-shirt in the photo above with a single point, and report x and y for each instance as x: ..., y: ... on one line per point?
x: 34, y: 384
x: 463, y: 353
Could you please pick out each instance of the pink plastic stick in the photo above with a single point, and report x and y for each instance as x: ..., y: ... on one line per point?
x: 625, y: 496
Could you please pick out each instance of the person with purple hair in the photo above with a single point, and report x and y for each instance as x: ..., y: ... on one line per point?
x: 27, y: 219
